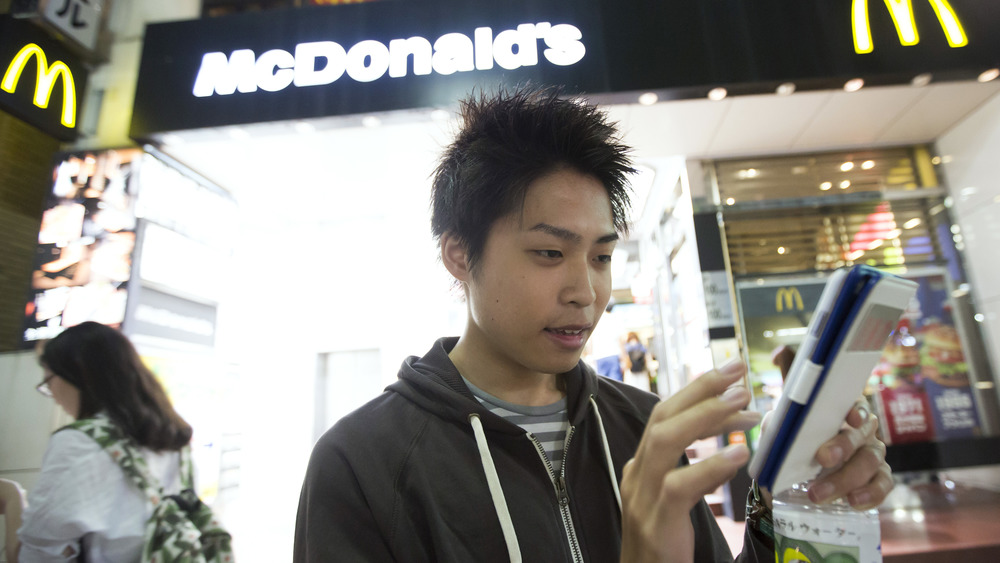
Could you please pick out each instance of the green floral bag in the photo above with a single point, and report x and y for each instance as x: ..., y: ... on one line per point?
x: 182, y: 529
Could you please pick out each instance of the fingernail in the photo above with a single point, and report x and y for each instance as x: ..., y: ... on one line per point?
x: 864, y: 413
x: 860, y: 499
x: 735, y: 452
x: 820, y: 492
x: 736, y: 395
x: 836, y: 455
x: 732, y: 367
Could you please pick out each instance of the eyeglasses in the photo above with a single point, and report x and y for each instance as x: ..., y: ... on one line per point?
x: 43, y: 387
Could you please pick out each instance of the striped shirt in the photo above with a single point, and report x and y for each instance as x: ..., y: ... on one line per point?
x: 547, y: 423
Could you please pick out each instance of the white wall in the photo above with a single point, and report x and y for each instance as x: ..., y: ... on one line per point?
x: 970, y: 152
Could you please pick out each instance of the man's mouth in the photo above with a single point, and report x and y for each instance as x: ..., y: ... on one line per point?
x: 567, y: 331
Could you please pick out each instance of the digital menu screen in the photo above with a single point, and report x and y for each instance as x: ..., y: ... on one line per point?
x: 83, y: 260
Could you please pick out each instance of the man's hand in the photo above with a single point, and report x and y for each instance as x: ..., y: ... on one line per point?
x: 865, y: 479
x: 854, y: 463
x: 657, y: 492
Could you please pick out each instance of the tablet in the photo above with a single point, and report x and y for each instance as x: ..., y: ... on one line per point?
x: 857, y: 312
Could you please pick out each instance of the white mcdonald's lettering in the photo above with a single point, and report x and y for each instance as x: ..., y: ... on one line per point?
x: 44, y: 81
x: 323, y: 62
x: 902, y: 16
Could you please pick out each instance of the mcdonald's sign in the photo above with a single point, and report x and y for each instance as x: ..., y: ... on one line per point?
x: 901, y: 12
x: 788, y: 298
x: 45, y: 81
x: 42, y: 81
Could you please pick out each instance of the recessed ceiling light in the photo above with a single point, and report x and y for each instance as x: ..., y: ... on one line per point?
x: 716, y: 94
x: 825, y: 186
x: 304, y: 127
x: 868, y: 165
x: 730, y: 200
x: 988, y: 75
x: 371, y: 121
x: 854, y: 84
x: 847, y: 166
x: 785, y: 89
x: 649, y: 98
x: 936, y: 160
x: 781, y: 250
x: 845, y: 184
x: 921, y: 80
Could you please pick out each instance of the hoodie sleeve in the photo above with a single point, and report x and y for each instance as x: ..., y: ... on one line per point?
x: 334, y: 521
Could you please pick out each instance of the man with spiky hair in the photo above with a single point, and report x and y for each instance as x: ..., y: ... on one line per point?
x: 501, y: 444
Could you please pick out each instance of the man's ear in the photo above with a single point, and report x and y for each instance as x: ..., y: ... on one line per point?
x: 455, y: 257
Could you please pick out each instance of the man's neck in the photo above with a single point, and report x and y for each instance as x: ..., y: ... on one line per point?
x: 503, y: 380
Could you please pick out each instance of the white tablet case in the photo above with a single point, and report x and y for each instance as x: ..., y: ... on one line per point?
x: 848, y: 367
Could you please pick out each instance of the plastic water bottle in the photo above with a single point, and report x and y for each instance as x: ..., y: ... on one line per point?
x: 828, y: 533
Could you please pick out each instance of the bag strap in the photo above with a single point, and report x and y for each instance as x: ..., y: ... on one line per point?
x: 127, y: 456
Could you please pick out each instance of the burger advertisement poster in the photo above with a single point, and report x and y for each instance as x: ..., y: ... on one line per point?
x: 922, y: 386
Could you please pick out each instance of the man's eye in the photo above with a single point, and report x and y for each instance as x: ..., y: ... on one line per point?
x: 549, y: 253
x: 604, y: 258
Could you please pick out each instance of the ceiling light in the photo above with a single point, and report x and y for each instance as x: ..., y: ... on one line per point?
x: 868, y: 165
x: 921, y: 80
x: 371, y: 121
x: 911, y: 223
x: 800, y: 169
x: 304, y: 127
x: 730, y: 200
x: 936, y: 160
x: 785, y: 89
x: 845, y: 184
x: 854, y: 84
x: 825, y: 186
x: 781, y: 250
x: 649, y: 98
x: 847, y: 166
x: 988, y: 75
x: 716, y: 94
x: 747, y: 173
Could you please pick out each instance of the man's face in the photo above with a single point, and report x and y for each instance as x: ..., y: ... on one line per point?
x: 544, y: 276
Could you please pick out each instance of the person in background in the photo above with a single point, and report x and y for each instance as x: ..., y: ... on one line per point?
x: 501, y: 444
x: 638, y: 369
x: 605, y: 349
x: 83, y: 507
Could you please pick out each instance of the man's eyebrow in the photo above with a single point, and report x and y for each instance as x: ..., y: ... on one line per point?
x: 569, y: 235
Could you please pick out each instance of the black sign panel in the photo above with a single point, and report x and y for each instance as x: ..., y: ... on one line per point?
x: 42, y: 83
x: 396, y: 54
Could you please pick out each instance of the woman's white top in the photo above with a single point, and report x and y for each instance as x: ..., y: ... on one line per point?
x: 83, y: 502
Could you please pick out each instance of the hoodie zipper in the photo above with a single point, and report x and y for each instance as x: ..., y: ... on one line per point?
x: 562, y: 493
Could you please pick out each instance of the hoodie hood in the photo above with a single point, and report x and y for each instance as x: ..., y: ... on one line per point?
x: 434, y: 384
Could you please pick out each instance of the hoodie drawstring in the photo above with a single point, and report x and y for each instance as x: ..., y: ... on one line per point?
x: 496, y: 491
x: 607, y: 454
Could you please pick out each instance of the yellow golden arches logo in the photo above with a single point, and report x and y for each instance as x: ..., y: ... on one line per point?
x: 788, y: 298
x: 906, y: 28
x: 44, y: 81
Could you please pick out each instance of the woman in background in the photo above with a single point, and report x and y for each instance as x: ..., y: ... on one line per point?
x: 83, y: 507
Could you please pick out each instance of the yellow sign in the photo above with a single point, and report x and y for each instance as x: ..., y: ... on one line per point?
x: 902, y: 15
x: 788, y: 298
x: 44, y: 81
